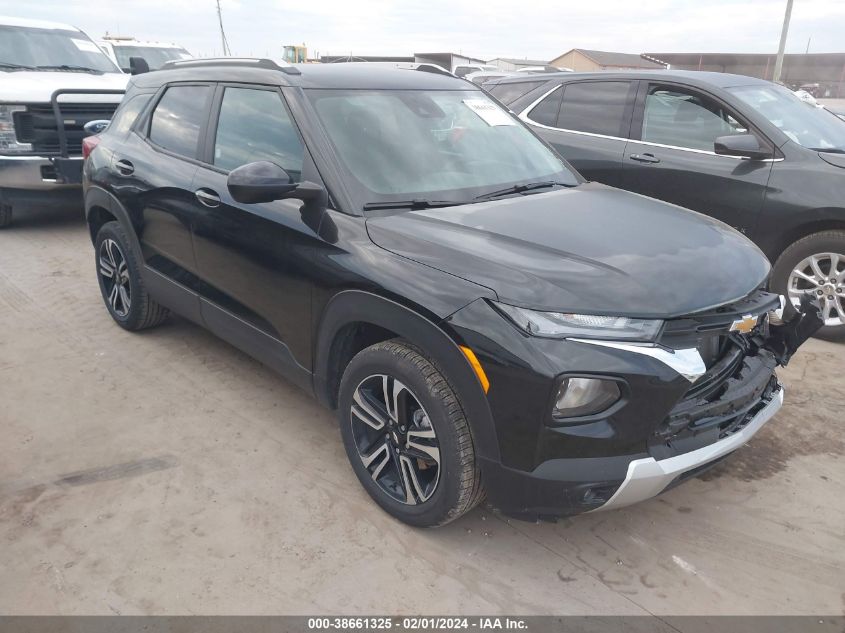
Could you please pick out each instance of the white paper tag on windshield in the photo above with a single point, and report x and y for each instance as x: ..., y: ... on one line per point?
x: 85, y: 45
x: 489, y: 112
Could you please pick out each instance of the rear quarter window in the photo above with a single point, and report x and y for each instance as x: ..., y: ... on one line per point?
x: 510, y: 92
x: 127, y: 113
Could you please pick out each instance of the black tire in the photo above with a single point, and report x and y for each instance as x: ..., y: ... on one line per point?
x: 142, y: 312
x: 5, y: 214
x: 458, y: 487
x: 817, y: 243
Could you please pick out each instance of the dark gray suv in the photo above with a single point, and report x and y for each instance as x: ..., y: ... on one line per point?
x: 743, y: 150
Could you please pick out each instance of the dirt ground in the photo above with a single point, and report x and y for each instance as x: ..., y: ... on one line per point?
x: 168, y: 473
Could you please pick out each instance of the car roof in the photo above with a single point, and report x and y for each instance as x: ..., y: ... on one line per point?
x: 693, y: 77
x: 326, y: 76
x: 35, y: 24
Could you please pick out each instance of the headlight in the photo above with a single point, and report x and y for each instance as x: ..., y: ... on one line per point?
x: 8, y: 141
x: 564, y: 325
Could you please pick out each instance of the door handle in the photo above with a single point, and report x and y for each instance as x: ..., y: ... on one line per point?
x: 644, y: 158
x: 124, y: 167
x: 207, y: 198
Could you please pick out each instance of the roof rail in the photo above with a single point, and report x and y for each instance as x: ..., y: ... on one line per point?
x: 246, y: 62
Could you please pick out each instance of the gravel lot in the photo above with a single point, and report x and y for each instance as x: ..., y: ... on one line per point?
x: 168, y: 473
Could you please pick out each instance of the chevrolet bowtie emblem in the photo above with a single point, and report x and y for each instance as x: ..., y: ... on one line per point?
x: 745, y: 324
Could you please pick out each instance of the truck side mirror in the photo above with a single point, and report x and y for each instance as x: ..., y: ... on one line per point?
x: 138, y: 65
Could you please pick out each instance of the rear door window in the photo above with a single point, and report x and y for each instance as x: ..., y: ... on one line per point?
x: 178, y: 119
x: 685, y: 118
x: 597, y: 107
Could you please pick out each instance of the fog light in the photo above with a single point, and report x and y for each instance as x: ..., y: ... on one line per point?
x: 585, y: 396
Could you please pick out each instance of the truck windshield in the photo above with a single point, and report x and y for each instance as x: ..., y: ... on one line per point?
x: 814, y: 128
x: 444, y: 145
x: 50, y: 49
x: 155, y: 56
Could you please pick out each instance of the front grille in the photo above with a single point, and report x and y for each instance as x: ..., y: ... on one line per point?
x: 739, y: 378
x: 38, y: 125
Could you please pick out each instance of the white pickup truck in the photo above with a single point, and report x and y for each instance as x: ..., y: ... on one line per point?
x: 53, y: 80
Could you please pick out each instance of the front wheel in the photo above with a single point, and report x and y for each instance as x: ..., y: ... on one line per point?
x: 815, y: 265
x: 407, y: 437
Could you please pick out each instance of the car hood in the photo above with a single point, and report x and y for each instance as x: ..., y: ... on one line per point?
x: 591, y: 249
x: 38, y: 86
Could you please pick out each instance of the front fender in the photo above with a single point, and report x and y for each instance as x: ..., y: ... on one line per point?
x: 351, y: 306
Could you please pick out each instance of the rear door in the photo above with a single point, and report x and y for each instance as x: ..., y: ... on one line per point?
x: 253, y: 258
x: 588, y: 123
x: 670, y: 155
x: 152, y: 172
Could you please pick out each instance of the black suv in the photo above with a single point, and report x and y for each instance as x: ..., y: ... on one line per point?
x: 398, y: 244
x: 743, y: 150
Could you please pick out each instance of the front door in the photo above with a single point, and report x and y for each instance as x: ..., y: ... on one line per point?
x: 253, y: 258
x: 670, y: 156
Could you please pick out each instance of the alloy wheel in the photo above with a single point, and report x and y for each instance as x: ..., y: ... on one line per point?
x: 822, y: 276
x: 115, y: 277
x: 395, y: 439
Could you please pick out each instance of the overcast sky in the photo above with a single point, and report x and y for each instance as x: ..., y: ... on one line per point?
x: 535, y: 29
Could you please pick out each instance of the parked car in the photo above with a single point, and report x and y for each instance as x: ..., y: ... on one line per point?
x: 400, y: 245
x: 543, y: 69
x: 462, y: 70
x: 53, y: 80
x: 121, y: 50
x: 743, y: 150
x: 483, y: 76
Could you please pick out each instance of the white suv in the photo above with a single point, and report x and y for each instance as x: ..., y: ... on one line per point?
x: 53, y: 80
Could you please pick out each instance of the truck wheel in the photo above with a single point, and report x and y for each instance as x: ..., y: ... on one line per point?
x: 815, y: 265
x: 5, y: 214
x: 407, y: 437
x: 120, y: 280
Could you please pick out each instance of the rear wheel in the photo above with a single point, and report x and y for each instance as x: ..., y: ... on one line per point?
x: 406, y: 436
x: 815, y: 265
x: 120, y: 281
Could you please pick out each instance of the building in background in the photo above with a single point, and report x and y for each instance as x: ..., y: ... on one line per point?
x: 583, y: 60
x: 824, y: 72
x: 511, y: 64
x: 446, y: 60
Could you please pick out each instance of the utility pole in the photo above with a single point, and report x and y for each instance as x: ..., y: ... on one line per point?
x: 226, y: 51
x: 779, y: 61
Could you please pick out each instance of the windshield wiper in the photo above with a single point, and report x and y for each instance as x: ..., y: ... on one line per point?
x: 16, y: 66
x: 828, y: 150
x: 418, y: 203
x: 71, y: 67
x: 545, y: 184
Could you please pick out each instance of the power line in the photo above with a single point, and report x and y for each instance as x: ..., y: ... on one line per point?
x: 226, y: 51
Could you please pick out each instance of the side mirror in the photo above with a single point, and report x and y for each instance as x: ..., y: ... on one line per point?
x: 742, y: 145
x: 96, y: 126
x: 263, y: 181
x: 138, y: 65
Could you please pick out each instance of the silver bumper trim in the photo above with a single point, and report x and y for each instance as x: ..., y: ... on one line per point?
x: 648, y: 477
x: 687, y: 362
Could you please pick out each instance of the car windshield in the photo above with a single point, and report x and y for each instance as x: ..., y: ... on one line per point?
x: 443, y: 145
x: 28, y: 48
x: 155, y: 56
x: 804, y: 123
